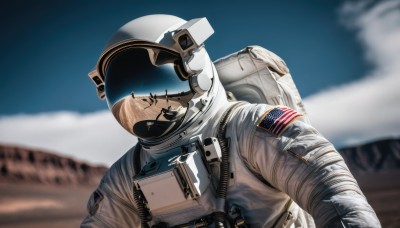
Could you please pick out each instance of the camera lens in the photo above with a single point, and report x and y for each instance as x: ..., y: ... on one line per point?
x: 185, y: 42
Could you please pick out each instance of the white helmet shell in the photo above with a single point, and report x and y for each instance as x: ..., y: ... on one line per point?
x: 150, y: 28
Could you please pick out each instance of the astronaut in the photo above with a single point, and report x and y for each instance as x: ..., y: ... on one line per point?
x: 204, y: 161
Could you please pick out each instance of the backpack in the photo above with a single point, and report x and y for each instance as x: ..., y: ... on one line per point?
x: 257, y: 75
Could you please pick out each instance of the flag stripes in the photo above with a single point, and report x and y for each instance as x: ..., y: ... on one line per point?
x: 277, y: 119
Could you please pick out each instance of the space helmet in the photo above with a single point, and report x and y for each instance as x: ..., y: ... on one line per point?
x: 155, y: 74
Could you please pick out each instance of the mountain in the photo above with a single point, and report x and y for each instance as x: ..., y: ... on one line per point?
x: 26, y: 165
x: 376, y: 167
x: 374, y: 157
x: 40, y: 189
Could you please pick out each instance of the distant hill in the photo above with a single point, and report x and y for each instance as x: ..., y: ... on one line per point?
x: 373, y: 157
x: 29, y: 166
x: 375, y: 165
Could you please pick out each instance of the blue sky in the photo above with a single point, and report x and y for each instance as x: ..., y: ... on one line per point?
x: 331, y: 48
x: 50, y: 46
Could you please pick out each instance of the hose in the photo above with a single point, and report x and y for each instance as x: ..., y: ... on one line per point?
x: 224, y: 144
x: 140, y: 207
x: 142, y: 211
x: 225, y: 165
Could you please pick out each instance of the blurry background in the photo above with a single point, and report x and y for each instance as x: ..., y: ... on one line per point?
x: 343, y: 55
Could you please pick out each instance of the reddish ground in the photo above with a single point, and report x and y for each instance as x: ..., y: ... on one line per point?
x: 42, y: 206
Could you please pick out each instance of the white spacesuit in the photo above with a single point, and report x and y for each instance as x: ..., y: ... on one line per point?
x: 201, y: 160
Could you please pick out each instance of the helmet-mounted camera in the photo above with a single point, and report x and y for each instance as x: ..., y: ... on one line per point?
x: 189, y: 39
x: 191, y: 35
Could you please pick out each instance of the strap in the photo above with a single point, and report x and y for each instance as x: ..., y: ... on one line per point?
x: 220, y: 213
x: 224, y: 144
x: 136, y: 158
x: 137, y: 195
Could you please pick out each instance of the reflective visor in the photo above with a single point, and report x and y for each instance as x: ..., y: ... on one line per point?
x: 144, y: 92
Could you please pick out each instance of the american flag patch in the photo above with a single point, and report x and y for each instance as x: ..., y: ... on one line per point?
x: 277, y: 119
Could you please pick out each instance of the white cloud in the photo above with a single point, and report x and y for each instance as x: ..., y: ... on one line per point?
x: 369, y: 108
x: 94, y: 137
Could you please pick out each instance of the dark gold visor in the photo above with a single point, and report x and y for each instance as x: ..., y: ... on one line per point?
x: 144, y: 92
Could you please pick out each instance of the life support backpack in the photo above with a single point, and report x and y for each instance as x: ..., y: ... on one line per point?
x: 257, y: 75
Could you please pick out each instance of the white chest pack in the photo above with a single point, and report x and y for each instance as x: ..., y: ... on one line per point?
x: 184, y: 176
x: 257, y: 75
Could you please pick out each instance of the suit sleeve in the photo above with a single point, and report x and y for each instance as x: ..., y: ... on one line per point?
x: 306, y: 166
x: 112, y: 203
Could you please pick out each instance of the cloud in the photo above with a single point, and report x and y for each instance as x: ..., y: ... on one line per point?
x: 94, y: 137
x: 369, y: 108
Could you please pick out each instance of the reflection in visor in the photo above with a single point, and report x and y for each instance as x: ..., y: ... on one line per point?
x: 147, y: 100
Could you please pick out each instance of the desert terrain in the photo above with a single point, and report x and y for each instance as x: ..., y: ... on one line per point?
x: 42, y: 189
x: 28, y: 205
